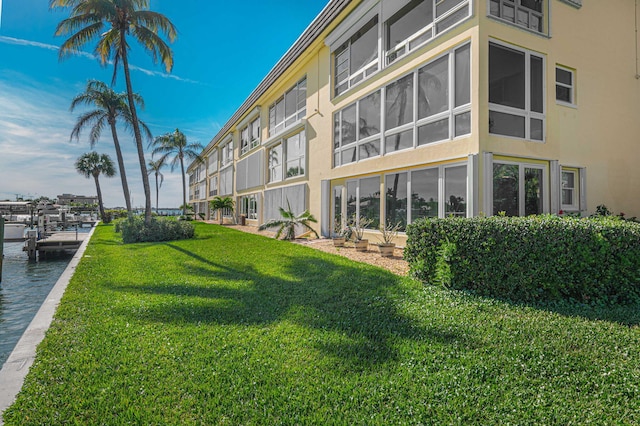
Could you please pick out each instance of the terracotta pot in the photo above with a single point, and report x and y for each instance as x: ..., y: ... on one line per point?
x: 338, y: 242
x: 362, y: 245
x: 386, y: 249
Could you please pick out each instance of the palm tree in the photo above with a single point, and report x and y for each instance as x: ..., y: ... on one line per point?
x: 155, y: 167
x: 289, y: 221
x: 123, y: 18
x: 220, y: 204
x: 94, y: 164
x: 175, y: 144
x: 109, y: 107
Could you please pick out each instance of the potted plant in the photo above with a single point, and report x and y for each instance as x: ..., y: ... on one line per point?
x: 387, y: 245
x: 340, y: 233
x: 357, y: 226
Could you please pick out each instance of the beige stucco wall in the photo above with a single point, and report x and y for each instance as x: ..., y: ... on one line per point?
x: 600, y: 133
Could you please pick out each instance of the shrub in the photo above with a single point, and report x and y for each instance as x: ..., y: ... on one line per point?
x: 529, y: 258
x: 135, y: 230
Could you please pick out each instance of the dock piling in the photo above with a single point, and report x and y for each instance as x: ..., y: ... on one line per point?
x: 1, y: 245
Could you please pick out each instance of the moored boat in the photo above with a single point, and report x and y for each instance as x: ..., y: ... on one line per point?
x: 14, y: 232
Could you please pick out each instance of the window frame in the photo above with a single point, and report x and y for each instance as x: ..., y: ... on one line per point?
x: 284, y: 161
x: 249, y: 206
x: 288, y: 121
x: 571, y: 87
x: 365, y: 71
x: 251, y: 140
x: 522, y: 165
x: 452, y: 112
x: 226, y: 153
x: 575, y: 198
x: 213, y: 185
x: 391, y: 55
x: 518, y: 7
x: 526, y: 113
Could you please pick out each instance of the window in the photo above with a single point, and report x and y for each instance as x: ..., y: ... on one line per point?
x: 226, y: 181
x: 250, y: 136
x: 357, y: 142
x: 249, y: 206
x: 420, y: 21
x: 516, y: 98
x: 290, y: 152
x: 213, y: 162
x: 213, y: 186
x: 569, y: 189
x: 363, y: 200
x: 524, y: 13
x: 295, y: 154
x: 289, y: 109
x: 565, y: 85
x: 518, y: 189
x: 357, y: 58
x: 442, y: 91
x: 435, y: 192
x: 275, y: 163
x: 226, y: 154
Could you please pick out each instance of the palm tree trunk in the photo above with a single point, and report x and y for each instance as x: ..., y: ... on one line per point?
x: 123, y: 176
x: 138, y: 136
x: 100, y: 204
x: 184, y: 189
x: 157, y: 192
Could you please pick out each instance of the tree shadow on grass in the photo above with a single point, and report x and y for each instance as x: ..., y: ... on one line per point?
x: 325, y: 293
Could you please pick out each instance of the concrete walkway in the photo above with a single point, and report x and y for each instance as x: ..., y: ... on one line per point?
x: 17, y: 365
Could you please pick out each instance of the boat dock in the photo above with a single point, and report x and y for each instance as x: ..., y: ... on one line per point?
x: 55, y: 242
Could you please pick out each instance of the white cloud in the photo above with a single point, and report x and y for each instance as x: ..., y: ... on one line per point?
x: 37, y: 158
x: 22, y: 42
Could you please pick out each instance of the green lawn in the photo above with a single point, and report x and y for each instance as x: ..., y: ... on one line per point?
x: 233, y: 328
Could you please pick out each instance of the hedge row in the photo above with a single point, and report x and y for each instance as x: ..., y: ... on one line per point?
x: 135, y: 230
x: 529, y: 258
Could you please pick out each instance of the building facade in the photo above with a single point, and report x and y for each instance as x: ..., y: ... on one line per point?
x: 402, y: 109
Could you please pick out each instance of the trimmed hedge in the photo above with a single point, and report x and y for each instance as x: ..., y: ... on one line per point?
x: 135, y: 230
x: 534, y: 258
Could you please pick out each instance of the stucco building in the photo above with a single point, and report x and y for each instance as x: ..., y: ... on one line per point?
x: 397, y: 109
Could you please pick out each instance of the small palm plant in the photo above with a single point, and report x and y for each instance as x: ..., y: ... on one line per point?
x: 93, y: 165
x: 287, y: 224
x: 221, y: 203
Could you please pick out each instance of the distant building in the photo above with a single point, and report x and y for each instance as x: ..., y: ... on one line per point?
x: 68, y: 199
x: 397, y: 110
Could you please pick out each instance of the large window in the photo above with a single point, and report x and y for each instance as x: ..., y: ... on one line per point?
x: 516, y: 93
x: 357, y: 58
x: 213, y: 186
x: 287, y: 158
x: 518, y: 189
x: 249, y: 206
x: 357, y: 130
x: 435, y: 192
x: 289, y: 109
x: 213, y: 162
x: 525, y: 13
x: 442, y: 92
x: 250, y: 136
x: 226, y: 154
x: 420, y: 21
x: 363, y: 200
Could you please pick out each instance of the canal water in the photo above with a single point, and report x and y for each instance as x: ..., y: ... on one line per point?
x: 24, y: 287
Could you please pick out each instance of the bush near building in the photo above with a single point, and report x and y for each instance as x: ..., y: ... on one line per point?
x: 534, y: 258
x: 135, y: 230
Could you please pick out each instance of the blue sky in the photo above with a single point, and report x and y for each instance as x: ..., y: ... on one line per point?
x: 224, y: 49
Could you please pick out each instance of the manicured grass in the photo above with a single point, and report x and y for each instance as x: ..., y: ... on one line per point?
x: 232, y: 328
